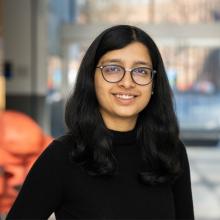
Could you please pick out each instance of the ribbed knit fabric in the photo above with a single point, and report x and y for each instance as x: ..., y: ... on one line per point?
x: 54, y: 184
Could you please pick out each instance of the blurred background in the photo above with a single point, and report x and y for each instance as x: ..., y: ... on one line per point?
x: 42, y: 43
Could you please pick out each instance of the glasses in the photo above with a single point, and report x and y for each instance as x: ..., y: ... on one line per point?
x: 115, y: 73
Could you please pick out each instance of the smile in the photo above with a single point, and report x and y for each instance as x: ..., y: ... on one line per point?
x: 125, y: 99
x: 124, y: 96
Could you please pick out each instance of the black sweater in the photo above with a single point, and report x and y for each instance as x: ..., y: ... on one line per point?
x: 54, y: 184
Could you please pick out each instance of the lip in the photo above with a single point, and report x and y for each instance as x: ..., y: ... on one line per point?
x: 124, y: 98
x: 125, y: 93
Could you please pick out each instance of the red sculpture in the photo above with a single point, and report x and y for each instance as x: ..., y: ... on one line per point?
x: 21, y: 142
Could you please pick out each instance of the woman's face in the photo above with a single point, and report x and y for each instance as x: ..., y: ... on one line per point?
x: 121, y: 102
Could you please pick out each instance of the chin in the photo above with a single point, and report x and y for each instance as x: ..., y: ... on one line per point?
x: 129, y: 115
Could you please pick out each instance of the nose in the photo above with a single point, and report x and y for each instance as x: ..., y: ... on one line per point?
x: 127, y: 81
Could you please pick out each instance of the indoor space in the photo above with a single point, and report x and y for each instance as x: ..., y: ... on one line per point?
x: 42, y: 43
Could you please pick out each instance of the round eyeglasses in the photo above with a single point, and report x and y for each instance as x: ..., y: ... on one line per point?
x: 115, y: 73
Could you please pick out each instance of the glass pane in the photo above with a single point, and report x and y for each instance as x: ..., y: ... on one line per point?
x: 75, y: 54
x: 194, y: 76
x: 147, y: 11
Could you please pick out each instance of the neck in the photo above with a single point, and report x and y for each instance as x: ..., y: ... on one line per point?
x: 120, y: 124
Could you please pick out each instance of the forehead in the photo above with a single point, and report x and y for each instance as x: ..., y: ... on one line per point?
x: 133, y: 52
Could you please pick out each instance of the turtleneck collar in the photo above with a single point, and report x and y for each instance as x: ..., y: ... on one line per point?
x: 124, y: 137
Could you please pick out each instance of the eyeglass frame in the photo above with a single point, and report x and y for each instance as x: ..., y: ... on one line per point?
x: 153, y: 72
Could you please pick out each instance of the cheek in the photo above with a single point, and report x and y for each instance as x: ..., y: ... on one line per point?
x: 146, y: 97
x: 98, y: 92
x: 98, y: 89
x: 99, y: 96
x: 101, y: 91
x: 103, y: 99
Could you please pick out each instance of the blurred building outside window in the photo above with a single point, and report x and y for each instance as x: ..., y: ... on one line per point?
x: 191, y: 62
x: 147, y: 11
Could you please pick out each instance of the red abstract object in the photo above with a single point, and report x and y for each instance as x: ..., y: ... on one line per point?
x: 21, y: 142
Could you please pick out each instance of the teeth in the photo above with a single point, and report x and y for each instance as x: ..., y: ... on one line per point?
x: 124, y: 96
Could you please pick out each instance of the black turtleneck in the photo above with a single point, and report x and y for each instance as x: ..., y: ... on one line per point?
x: 54, y: 184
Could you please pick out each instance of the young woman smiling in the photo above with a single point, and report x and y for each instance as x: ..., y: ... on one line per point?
x: 122, y: 157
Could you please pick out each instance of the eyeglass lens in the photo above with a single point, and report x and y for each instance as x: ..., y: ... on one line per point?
x: 140, y: 75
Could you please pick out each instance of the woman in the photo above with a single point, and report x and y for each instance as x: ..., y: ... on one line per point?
x: 122, y: 157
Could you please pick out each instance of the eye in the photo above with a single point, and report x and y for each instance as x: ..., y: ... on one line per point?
x: 112, y: 69
x: 141, y: 71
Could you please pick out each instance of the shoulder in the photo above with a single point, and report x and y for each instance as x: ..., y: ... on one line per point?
x: 58, y: 150
x: 67, y: 139
x: 62, y: 143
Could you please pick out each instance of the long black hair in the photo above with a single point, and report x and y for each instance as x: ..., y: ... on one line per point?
x: 157, y: 126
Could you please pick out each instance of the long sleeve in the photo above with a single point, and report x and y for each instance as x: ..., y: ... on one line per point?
x: 182, y: 190
x: 57, y: 184
x: 42, y: 189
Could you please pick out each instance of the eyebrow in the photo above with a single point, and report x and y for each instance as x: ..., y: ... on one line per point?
x: 111, y: 61
x: 138, y: 62
x: 142, y: 63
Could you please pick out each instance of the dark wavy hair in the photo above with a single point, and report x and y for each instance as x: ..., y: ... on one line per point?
x: 157, y: 126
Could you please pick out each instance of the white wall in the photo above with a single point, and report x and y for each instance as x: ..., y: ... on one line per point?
x: 25, y: 45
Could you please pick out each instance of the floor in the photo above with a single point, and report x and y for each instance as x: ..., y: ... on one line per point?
x: 205, y: 176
